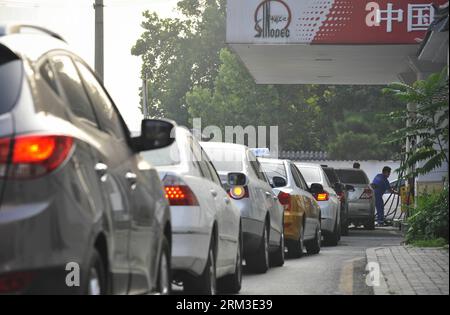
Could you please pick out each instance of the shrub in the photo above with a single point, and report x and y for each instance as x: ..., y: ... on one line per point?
x: 429, y: 220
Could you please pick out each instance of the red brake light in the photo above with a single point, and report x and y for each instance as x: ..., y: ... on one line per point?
x: 322, y: 196
x: 178, y: 193
x: 180, y: 196
x: 285, y: 200
x: 33, y: 156
x: 367, y: 194
x: 15, y: 282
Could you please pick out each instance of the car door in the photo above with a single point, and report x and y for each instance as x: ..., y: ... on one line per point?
x: 260, y: 200
x: 228, y: 218
x: 102, y: 183
x: 275, y: 209
x: 122, y: 164
x: 312, y: 209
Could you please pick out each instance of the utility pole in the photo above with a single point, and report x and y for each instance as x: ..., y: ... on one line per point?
x: 99, y: 38
x: 145, y: 97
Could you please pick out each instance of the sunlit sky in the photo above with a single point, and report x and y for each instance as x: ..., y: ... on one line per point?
x: 74, y: 20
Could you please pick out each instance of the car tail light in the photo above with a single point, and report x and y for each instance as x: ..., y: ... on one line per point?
x: 15, y: 282
x: 322, y: 196
x: 178, y: 193
x: 285, y: 200
x: 367, y: 194
x: 33, y: 156
x: 238, y: 192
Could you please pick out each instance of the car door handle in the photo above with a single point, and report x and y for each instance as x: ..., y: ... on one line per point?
x: 213, y: 193
x: 268, y: 194
x: 132, y: 179
x: 102, y: 170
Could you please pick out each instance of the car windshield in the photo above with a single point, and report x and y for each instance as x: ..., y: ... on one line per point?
x: 274, y: 169
x: 10, y: 80
x: 352, y: 177
x: 311, y: 174
x: 163, y: 157
x: 226, y: 160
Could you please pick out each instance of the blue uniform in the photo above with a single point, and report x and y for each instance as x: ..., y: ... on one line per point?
x: 382, y: 185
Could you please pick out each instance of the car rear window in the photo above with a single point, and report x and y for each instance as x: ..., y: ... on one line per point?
x: 226, y: 160
x: 163, y: 157
x: 331, y: 175
x: 11, y: 73
x: 352, y: 177
x: 310, y: 174
x: 274, y: 169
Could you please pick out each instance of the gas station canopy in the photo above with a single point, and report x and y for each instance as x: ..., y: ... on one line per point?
x: 328, y: 41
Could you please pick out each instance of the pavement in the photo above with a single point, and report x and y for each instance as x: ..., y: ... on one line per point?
x: 336, y: 270
x: 404, y: 270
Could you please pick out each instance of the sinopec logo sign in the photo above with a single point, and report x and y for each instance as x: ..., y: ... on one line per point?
x: 272, y: 19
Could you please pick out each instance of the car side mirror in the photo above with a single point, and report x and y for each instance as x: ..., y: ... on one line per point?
x: 237, y: 179
x: 155, y: 134
x: 316, y: 189
x: 279, y: 181
x: 349, y: 188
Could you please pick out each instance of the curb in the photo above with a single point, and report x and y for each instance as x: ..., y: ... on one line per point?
x: 371, y: 255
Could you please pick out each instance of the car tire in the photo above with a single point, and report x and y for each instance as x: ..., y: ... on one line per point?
x: 206, y: 283
x: 332, y: 239
x: 344, y: 227
x: 313, y: 247
x: 296, y: 248
x: 164, y: 284
x: 232, y: 284
x: 259, y: 262
x: 277, y: 258
x: 370, y: 225
x: 95, y: 283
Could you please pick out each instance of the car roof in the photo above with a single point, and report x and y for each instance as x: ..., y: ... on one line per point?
x: 223, y: 145
x: 309, y: 165
x: 30, y: 45
x: 269, y: 160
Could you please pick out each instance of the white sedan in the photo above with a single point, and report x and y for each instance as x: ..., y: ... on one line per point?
x: 207, y: 235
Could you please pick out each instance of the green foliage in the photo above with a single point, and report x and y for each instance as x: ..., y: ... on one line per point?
x: 438, y: 242
x: 429, y: 123
x: 429, y: 220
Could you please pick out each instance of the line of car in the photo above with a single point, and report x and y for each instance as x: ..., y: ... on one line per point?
x: 139, y: 212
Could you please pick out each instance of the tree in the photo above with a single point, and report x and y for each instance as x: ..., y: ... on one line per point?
x: 429, y: 124
x: 179, y: 54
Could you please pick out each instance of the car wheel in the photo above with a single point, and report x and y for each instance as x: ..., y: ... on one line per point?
x: 259, y: 262
x: 314, y: 246
x: 232, y: 283
x: 370, y: 225
x: 277, y: 258
x: 344, y: 227
x: 164, y: 273
x: 296, y: 248
x: 96, y: 279
x: 206, y: 283
x: 332, y: 239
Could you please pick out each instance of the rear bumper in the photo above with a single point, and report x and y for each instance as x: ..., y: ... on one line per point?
x: 191, y: 238
x: 37, y: 241
x: 361, y: 210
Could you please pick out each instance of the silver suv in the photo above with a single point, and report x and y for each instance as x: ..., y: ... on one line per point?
x: 74, y: 190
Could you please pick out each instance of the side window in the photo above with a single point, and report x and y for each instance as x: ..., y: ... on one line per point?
x: 257, y: 169
x: 303, y: 184
x: 297, y: 180
x: 74, y: 91
x: 107, y: 115
x: 46, y: 72
x: 214, y: 176
x: 195, y: 156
